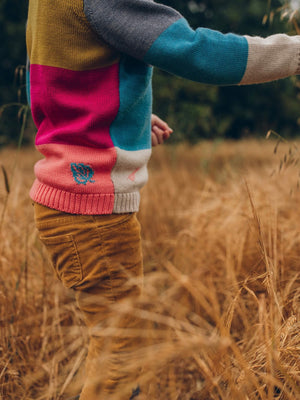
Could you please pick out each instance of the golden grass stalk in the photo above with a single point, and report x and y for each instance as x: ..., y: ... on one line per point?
x: 222, y: 297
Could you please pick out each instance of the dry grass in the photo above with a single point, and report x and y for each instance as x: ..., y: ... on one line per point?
x: 221, y: 244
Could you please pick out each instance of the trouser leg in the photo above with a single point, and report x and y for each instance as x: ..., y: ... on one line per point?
x: 100, y: 258
x: 114, y: 340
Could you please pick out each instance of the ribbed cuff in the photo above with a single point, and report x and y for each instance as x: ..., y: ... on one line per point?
x: 126, y: 202
x: 86, y: 204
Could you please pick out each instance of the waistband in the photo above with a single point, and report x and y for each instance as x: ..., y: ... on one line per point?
x: 84, y: 203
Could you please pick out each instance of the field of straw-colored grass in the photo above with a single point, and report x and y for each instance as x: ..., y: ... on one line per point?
x: 221, y: 243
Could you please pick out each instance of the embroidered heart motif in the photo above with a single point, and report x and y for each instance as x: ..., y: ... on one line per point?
x: 132, y: 175
x: 82, y: 173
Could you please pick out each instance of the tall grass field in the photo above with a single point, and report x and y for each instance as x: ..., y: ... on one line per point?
x: 221, y: 243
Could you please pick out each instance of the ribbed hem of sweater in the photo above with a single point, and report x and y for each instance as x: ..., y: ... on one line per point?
x: 86, y: 204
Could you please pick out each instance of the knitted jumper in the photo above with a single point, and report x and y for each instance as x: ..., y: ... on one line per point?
x: 90, y: 90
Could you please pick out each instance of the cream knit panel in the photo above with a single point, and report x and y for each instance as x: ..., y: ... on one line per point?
x: 275, y: 57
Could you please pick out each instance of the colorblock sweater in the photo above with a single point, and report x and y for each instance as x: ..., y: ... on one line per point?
x: 90, y: 90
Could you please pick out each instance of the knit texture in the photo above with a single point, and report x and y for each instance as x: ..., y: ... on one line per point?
x: 90, y: 76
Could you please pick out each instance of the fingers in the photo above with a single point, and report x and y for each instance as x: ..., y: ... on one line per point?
x: 160, y: 130
x: 154, y: 140
x: 159, y: 134
x: 156, y: 121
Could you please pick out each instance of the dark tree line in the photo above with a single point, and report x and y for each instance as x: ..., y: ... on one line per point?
x: 195, y: 111
x: 12, y: 55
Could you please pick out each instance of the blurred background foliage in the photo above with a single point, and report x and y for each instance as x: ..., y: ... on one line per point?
x: 12, y: 55
x: 195, y: 111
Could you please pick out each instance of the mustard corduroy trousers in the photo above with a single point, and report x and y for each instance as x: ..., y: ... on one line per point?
x: 100, y: 258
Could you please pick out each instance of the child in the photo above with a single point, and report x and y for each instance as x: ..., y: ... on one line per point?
x: 90, y: 89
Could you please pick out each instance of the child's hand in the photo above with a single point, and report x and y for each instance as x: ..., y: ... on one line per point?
x: 160, y: 130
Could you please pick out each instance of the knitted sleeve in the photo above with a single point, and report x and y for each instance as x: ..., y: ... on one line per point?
x: 160, y: 36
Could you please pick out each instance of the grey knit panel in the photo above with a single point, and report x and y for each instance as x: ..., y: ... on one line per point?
x: 130, y: 26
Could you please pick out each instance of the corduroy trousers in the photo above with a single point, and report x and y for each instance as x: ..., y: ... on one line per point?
x: 100, y: 258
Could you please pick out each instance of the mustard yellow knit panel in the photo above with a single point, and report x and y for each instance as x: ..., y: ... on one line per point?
x: 59, y: 35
